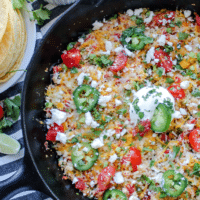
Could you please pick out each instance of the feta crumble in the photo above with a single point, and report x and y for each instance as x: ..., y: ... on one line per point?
x: 89, y: 121
x: 118, y: 178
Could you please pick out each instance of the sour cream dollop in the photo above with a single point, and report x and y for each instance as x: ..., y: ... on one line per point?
x: 146, y: 100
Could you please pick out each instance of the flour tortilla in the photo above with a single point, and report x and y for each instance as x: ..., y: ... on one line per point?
x: 6, y: 42
x: 17, y: 64
x: 3, y: 17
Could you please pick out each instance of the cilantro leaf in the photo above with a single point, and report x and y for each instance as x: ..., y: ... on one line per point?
x: 13, y: 107
x: 5, y: 123
x: 18, y: 4
x: 152, y: 163
x: 196, y: 92
x: 114, y: 17
x: 41, y: 14
x: 176, y: 150
x: 169, y: 80
x: 197, y: 192
x: 70, y: 45
x: 198, y: 57
x: 160, y: 71
x: 183, y: 36
x: 74, y: 70
x: 196, y: 169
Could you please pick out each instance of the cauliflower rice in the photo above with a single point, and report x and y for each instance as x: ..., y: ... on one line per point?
x: 142, y: 67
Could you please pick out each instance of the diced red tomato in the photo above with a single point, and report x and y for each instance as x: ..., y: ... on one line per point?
x: 192, y: 121
x: 176, y: 91
x: 136, y: 158
x: 163, y: 19
x: 198, y: 20
x: 52, y: 132
x: 177, y: 79
x: 80, y: 184
x: 194, y: 139
x: 133, y: 156
x: 71, y: 58
x: 120, y: 62
x: 142, y: 128
x: 164, y: 60
x: 105, y: 177
x: 167, y: 151
x: 130, y: 188
x: 146, y: 197
x: 1, y: 112
x: 134, y: 167
x: 118, y: 35
x: 164, y: 137
x: 57, y: 69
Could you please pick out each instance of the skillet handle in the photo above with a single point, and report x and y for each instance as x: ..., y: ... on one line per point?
x: 25, y: 179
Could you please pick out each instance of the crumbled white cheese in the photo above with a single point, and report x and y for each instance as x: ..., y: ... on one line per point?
x: 117, y: 102
x: 129, y: 53
x: 148, y: 19
x: 81, y: 40
x: 85, y: 149
x: 74, y: 180
x: 187, y: 13
x: 61, y: 137
x: 138, y: 11
x: 158, y: 178
x: 150, y: 54
x: 154, y: 35
x: 99, y: 73
x: 104, y: 99
x: 119, y: 48
x: 174, y: 62
x: 128, y: 39
x: 183, y: 111
x: 109, y: 90
x: 129, y: 12
x: 134, y: 196
x: 92, y: 183
x: 176, y: 115
x: 94, y: 84
x: 185, y: 84
x: 123, y: 132
x: 101, y: 87
x: 97, y: 143
x: 170, y: 43
x: 89, y: 121
x: 81, y: 77
x: 97, y: 25
x: 113, y: 158
x: 57, y: 117
x: 161, y: 40
x: 190, y: 126
x: 110, y: 132
x: 108, y: 45
x: 118, y: 178
x: 188, y: 47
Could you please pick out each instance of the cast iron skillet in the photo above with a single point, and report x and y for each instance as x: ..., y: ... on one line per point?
x: 76, y: 20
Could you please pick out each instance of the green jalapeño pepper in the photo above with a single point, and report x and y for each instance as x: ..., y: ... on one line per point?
x: 161, y: 119
x: 85, y: 98
x: 84, y: 156
x: 174, y: 183
x: 114, y: 195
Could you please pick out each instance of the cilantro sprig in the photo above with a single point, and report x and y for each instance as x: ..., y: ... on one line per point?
x: 40, y: 15
x: 12, y: 112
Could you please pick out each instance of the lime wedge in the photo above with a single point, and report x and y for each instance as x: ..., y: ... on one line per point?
x: 8, y: 145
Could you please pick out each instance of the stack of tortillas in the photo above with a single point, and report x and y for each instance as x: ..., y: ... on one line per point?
x: 12, y: 40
